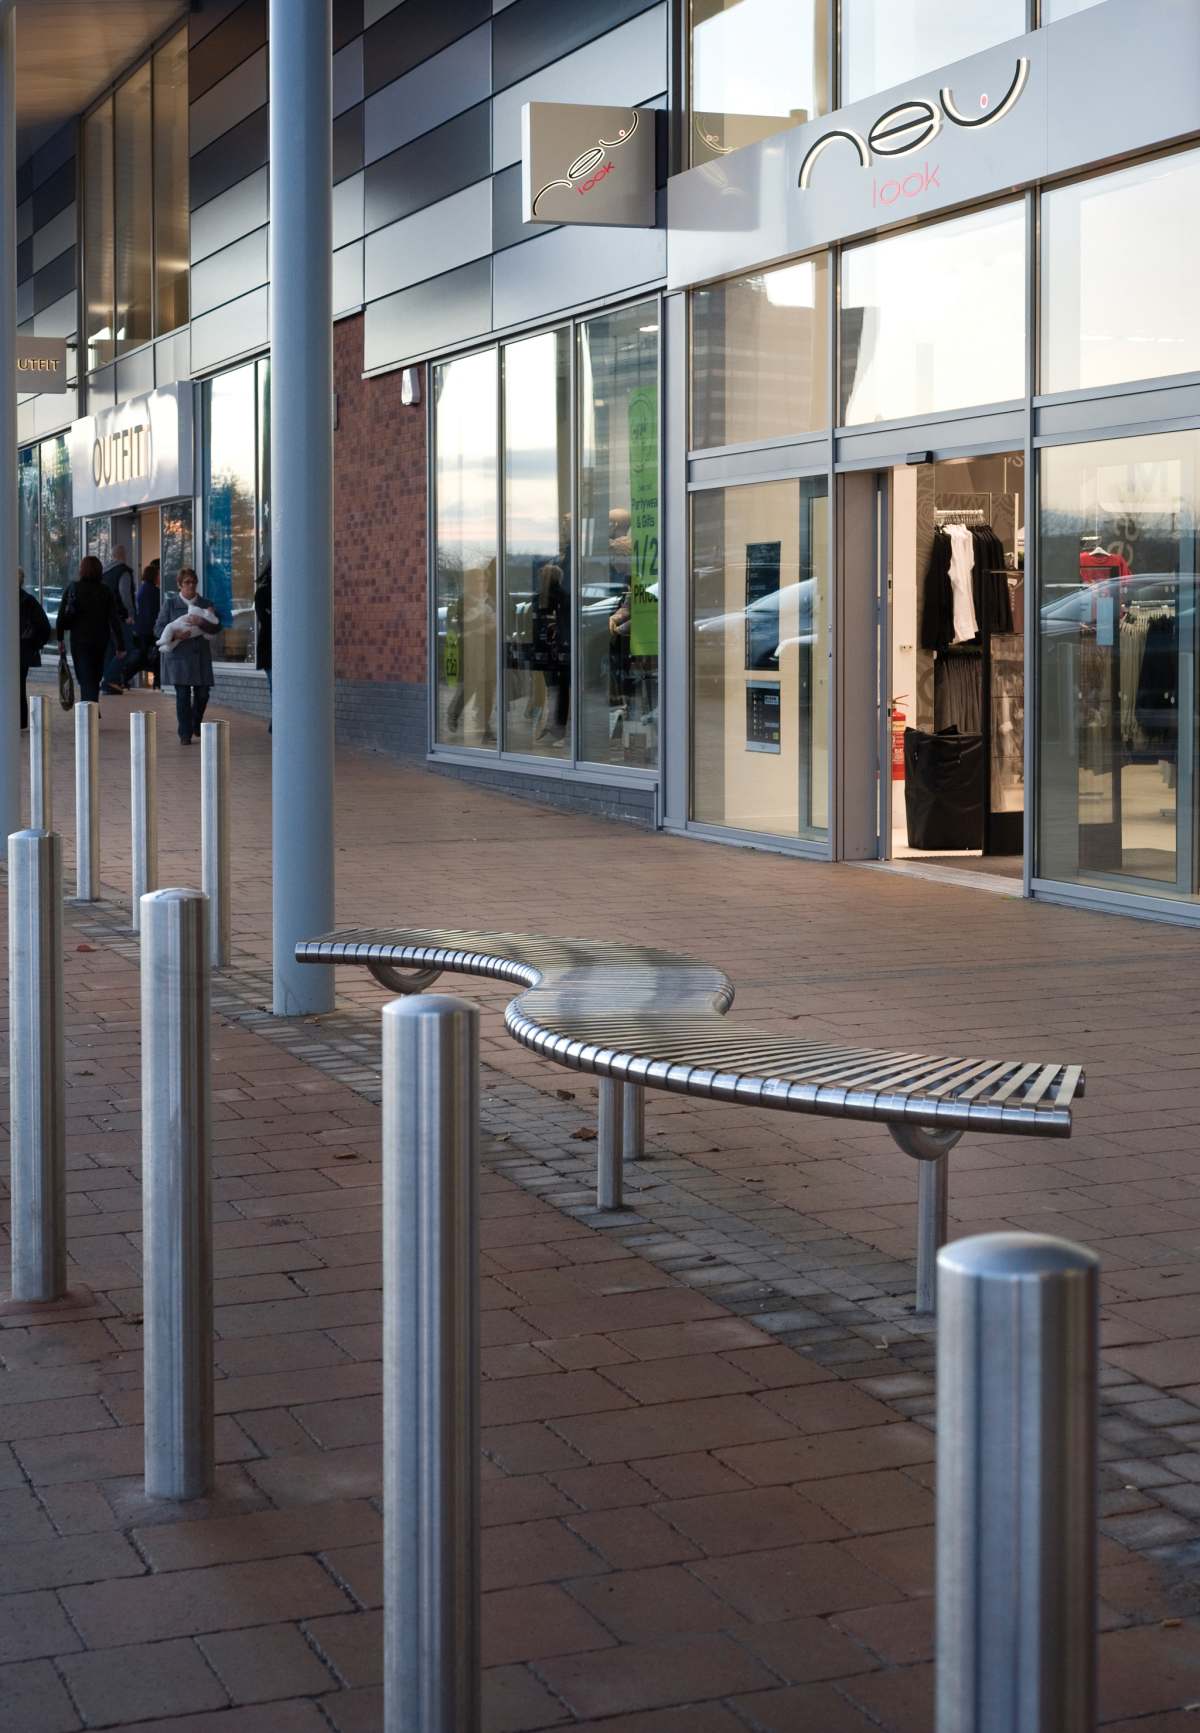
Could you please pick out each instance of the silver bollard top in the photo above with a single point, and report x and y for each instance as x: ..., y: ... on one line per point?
x: 427, y: 1005
x: 1016, y: 1257
x: 173, y: 894
x: 30, y: 833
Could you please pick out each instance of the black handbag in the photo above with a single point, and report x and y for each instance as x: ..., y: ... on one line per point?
x: 66, y: 683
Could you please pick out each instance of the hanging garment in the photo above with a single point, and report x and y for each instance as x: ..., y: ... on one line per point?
x: 1158, y: 683
x: 958, y: 692
x: 962, y: 583
x: 993, y: 604
x: 937, y: 602
x: 1097, y: 565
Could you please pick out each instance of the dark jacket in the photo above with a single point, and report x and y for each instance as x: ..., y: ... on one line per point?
x: 190, y: 664
x: 262, y: 613
x: 149, y: 601
x: 117, y: 580
x: 35, y: 630
x: 88, y: 611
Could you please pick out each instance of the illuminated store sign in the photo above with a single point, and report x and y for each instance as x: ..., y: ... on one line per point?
x: 41, y: 364
x: 137, y: 453
x: 909, y: 126
x: 585, y: 164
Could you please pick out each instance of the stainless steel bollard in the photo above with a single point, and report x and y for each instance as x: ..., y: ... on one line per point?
x: 214, y: 836
x: 176, y: 1196
x: 431, y: 1366
x: 609, y: 1153
x: 41, y: 813
x: 143, y: 792
x: 87, y: 802
x: 933, y: 1197
x: 633, y: 1131
x: 1016, y: 1486
x: 37, y: 1107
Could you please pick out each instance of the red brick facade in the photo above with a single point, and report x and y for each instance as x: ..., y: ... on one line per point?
x: 380, y: 576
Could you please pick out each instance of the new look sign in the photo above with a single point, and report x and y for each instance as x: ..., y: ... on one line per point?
x: 584, y: 164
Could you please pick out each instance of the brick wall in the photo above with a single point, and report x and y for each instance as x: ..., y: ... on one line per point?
x: 380, y: 579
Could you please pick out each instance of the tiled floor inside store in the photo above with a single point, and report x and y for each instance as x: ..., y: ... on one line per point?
x: 708, y: 1451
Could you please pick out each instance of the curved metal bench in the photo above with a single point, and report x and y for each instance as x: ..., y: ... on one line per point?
x: 642, y: 1018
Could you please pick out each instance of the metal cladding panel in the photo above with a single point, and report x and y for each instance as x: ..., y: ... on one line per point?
x: 629, y: 65
x: 431, y: 168
x: 55, y: 237
x: 135, y: 374
x: 508, y: 226
x: 347, y: 22
x: 230, y: 273
x: 990, y: 124
x: 230, y: 158
x: 446, y: 310
x: 414, y: 32
x: 54, y: 193
x: 348, y: 76
x: 348, y: 143
x: 454, y: 80
x: 234, y: 329
x: 434, y: 240
x: 348, y: 279
x: 533, y: 33
x: 213, y: 56
x: 238, y: 94
x: 348, y: 211
x: 24, y: 220
x: 230, y: 215
x: 53, y: 281
x: 574, y: 265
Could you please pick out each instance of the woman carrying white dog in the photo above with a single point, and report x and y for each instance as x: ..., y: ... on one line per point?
x: 186, y: 621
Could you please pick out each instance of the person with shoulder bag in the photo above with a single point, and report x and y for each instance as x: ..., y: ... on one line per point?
x: 186, y: 621
x: 87, y: 615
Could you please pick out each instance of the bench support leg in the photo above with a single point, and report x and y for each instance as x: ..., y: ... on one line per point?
x: 633, y: 1137
x: 608, y: 1149
x: 932, y: 1194
x: 931, y: 1150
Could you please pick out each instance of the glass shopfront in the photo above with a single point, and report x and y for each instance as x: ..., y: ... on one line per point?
x: 236, y: 501
x: 546, y: 531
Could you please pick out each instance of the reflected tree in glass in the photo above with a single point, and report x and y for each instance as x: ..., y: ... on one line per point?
x: 465, y: 489
x: 231, y: 506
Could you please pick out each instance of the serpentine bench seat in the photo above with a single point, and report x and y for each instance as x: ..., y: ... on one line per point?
x: 641, y: 1018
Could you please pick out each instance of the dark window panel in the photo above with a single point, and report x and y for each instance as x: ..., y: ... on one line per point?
x: 348, y: 143
x: 25, y: 180
x: 54, y: 153
x: 231, y: 157
x: 447, y: 309
x: 54, y: 281
x: 54, y: 195
x: 25, y: 260
x: 412, y: 32
x: 438, y: 163
x: 205, y: 15
x: 534, y: 33
x: 242, y: 33
x: 347, y: 22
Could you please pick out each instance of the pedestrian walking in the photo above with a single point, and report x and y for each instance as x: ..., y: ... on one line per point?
x: 87, y: 615
x: 145, y: 613
x: 185, y: 623
x: 36, y: 632
x: 118, y: 581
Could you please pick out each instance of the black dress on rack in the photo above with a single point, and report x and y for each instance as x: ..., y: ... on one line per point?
x: 1157, y: 707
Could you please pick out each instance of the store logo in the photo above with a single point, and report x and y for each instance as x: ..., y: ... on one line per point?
x: 910, y: 126
x: 37, y: 364
x: 121, y: 457
x: 586, y: 171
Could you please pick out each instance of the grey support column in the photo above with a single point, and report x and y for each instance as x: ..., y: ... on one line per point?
x: 41, y: 799
x: 143, y: 801
x: 609, y: 1155
x: 87, y: 802
x: 10, y: 672
x: 933, y: 1199
x: 214, y: 837
x: 431, y: 1366
x: 633, y: 1134
x: 176, y: 1195
x: 1016, y: 1486
x: 36, y: 1066
x: 301, y: 496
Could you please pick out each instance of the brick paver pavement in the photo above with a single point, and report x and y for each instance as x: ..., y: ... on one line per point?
x: 708, y: 1445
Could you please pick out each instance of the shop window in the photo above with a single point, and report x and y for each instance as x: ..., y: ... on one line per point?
x: 760, y: 355
x: 760, y: 658
x: 933, y: 318
x: 1118, y: 643
x: 98, y: 261
x: 134, y: 212
x: 885, y: 43
x: 619, y: 526
x: 59, y: 531
x: 135, y: 207
x: 231, y: 507
x: 176, y: 544
x: 1104, y: 322
x: 538, y: 580
x: 29, y: 553
x: 464, y: 396
x: 171, y: 183
x: 757, y: 67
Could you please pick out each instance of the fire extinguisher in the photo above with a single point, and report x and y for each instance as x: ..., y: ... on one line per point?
x: 899, y: 722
